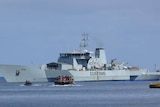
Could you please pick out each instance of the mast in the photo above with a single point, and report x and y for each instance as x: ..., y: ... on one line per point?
x: 83, y: 43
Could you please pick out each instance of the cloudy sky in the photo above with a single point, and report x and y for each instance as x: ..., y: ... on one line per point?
x: 34, y: 32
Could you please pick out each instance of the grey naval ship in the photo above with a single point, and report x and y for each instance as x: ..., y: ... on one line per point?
x: 81, y: 65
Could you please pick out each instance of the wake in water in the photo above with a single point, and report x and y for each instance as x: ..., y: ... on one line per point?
x: 68, y: 85
x: 51, y: 85
x: 34, y: 85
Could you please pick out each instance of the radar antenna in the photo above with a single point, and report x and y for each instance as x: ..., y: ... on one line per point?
x: 83, y: 43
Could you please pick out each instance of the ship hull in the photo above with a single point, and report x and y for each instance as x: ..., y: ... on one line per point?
x: 16, y: 73
x: 35, y: 74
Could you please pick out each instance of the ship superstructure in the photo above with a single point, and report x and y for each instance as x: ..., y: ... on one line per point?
x: 82, y: 65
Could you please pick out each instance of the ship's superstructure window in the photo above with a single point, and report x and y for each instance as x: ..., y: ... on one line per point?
x: 75, y: 55
x: 52, y: 65
x: 63, y: 55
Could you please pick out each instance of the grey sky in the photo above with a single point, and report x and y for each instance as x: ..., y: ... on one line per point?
x: 33, y: 32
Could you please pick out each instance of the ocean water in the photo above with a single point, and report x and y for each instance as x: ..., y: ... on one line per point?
x: 82, y: 94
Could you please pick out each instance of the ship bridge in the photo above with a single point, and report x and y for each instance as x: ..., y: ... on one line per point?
x: 83, y: 59
x: 77, y: 55
x: 78, y: 60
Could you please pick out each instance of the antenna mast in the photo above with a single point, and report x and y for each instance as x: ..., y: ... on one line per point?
x: 83, y: 43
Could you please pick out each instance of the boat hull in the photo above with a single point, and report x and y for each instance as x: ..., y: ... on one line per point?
x: 34, y: 74
x: 16, y: 73
x: 157, y: 85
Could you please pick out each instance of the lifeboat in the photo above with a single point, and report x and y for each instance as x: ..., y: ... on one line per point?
x: 154, y: 85
x: 64, y: 80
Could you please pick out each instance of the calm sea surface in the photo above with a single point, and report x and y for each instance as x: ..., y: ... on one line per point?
x: 83, y: 94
